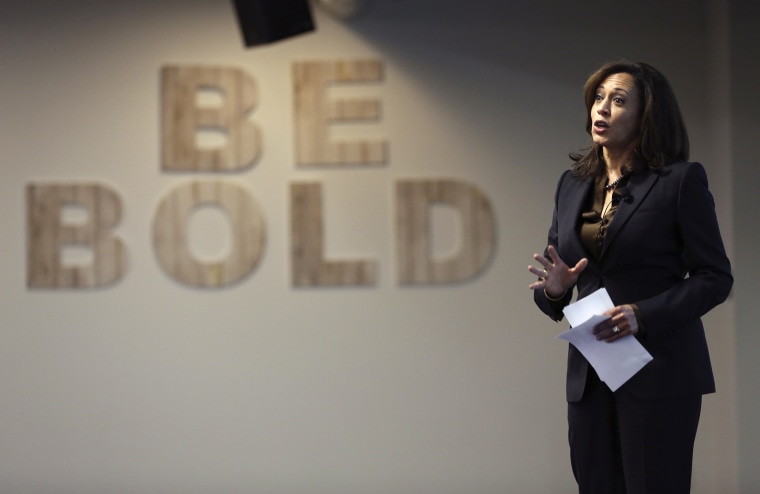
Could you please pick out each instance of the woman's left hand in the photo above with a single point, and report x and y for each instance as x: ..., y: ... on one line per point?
x: 622, y: 322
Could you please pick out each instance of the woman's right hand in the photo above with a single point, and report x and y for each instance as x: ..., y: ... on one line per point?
x: 555, y: 277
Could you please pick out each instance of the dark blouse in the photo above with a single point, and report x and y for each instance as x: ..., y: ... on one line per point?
x: 596, y: 216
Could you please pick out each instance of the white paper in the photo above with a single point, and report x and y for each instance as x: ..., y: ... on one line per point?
x: 614, y: 362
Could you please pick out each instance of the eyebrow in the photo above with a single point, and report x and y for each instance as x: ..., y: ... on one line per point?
x: 601, y: 86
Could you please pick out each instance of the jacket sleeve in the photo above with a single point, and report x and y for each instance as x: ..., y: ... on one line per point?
x: 709, y: 277
x: 551, y: 308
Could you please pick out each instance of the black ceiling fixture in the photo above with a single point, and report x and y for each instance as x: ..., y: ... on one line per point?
x: 267, y: 21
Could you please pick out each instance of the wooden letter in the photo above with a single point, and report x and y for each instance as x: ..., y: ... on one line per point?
x: 170, y: 234
x: 415, y: 263
x: 314, y: 111
x: 184, y: 120
x: 307, y: 244
x: 47, y: 234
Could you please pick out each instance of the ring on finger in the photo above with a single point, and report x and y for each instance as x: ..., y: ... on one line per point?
x: 616, y: 330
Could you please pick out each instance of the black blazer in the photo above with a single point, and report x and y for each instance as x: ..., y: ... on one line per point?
x: 663, y: 252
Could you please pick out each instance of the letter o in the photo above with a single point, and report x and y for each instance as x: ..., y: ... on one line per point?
x: 170, y: 234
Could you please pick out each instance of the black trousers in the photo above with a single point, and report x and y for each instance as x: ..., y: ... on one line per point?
x: 620, y: 444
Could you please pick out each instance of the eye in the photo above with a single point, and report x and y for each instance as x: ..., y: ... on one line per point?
x: 598, y: 97
x: 619, y: 100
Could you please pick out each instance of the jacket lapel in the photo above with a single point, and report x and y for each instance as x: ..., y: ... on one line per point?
x: 638, y: 188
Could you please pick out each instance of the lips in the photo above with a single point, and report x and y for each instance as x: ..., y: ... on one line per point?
x: 601, y: 126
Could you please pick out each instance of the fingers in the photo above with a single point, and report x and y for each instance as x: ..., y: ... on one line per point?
x: 554, y: 261
x: 612, y: 333
x: 553, y: 271
x: 542, y: 260
x: 580, y: 266
x: 536, y: 285
x: 609, y: 331
x: 622, y: 322
x: 541, y: 273
x: 550, y: 273
x: 545, y: 266
x: 554, y: 255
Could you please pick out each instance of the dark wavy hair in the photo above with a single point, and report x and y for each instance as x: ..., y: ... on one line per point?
x: 663, y: 137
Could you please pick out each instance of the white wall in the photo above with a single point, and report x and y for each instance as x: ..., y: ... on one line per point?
x: 149, y: 386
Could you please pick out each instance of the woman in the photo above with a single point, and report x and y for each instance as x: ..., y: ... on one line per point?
x: 633, y: 216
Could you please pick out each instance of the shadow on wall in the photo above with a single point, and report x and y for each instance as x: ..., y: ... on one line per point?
x: 524, y: 35
x: 496, y: 47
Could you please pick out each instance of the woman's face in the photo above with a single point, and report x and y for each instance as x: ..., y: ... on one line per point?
x: 615, y: 119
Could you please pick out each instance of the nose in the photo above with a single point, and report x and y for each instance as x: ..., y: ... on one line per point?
x: 602, y: 107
